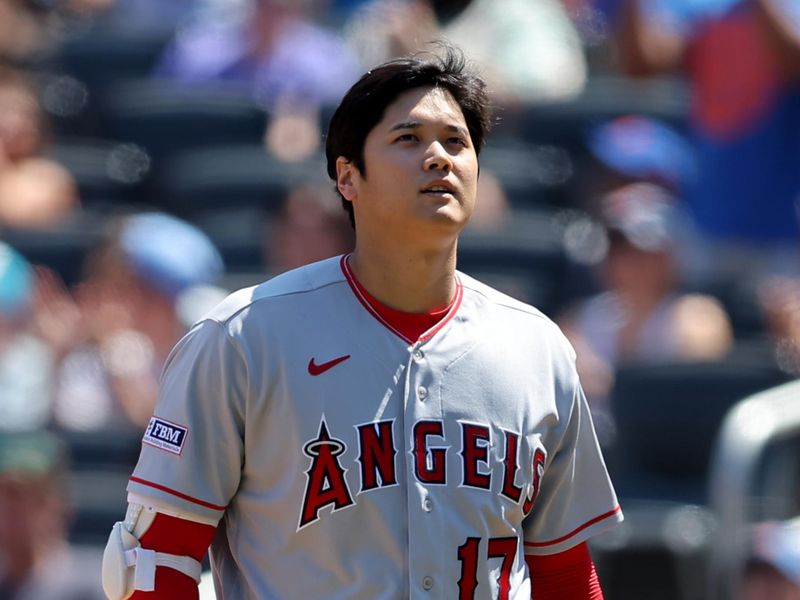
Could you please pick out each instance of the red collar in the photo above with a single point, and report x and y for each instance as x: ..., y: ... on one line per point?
x: 411, y: 327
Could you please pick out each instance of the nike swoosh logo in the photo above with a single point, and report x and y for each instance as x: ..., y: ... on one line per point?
x: 315, y: 369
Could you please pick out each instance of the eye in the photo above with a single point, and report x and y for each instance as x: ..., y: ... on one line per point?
x: 406, y: 137
x: 457, y: 140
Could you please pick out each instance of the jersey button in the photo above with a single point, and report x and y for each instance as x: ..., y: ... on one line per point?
x: 427, y: 583
x: 418, y: 355
x: 422, y: 392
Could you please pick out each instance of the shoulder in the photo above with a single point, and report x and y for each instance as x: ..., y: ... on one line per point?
x: 254, y: 323
x: 310, y: 279
x: 43, y: 175
x: 504, y: 312
x: 499, y: 301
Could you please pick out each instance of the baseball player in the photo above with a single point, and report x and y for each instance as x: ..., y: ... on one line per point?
x: 375, y: 425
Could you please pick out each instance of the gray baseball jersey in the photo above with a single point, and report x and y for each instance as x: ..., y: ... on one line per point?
x: 344, y: 461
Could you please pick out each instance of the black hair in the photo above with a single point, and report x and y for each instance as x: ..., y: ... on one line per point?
x: 364, y: 104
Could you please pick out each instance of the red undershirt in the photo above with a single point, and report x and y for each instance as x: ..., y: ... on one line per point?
x: 410, y: 325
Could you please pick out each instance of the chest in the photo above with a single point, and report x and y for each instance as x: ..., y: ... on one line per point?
x: 348, y: 419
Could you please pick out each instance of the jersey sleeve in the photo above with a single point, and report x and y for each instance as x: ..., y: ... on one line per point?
x: 576, y: 499
x: 192, y: 450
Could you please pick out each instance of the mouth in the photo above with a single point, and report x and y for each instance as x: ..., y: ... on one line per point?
x: 439, y: 189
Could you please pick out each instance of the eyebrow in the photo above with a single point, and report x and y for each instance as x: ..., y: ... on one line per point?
x: 417, y: 125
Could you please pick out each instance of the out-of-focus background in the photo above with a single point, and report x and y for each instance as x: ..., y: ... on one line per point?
x: 640, y: 186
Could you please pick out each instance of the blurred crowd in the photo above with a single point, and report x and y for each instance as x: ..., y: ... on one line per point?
x: 157, y: 154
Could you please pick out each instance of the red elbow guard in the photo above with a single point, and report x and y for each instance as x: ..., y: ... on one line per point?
x: 568, y: 575
x: 183, y: 538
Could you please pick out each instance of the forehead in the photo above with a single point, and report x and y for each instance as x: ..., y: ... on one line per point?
x: 421, y: 105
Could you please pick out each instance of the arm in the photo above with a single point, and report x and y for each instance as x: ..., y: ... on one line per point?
x: 643, y: 49
x: 183, y: 538
x: 189, y: 468
x: 575, y: 498
x: 570, y: 574
x: 154, y: 555
x: 781, y: 24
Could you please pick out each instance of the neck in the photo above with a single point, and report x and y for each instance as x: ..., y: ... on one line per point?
x: 413, y: 282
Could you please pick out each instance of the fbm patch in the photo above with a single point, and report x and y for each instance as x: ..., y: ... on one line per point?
x: 165, y: 435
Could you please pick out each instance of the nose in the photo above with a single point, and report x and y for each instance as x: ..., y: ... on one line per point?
x: 437, y: 158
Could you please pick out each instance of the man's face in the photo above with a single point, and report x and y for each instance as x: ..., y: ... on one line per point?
x: 421, y: 171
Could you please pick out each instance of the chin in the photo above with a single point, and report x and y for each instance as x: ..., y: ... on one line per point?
x: 447, y: 221
x: 455, y: 213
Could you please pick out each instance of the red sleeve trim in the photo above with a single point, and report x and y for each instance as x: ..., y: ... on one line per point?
x: 177, y: 494
x: 597, y: 519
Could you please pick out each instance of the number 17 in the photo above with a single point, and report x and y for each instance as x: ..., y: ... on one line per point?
x: 501, y: 547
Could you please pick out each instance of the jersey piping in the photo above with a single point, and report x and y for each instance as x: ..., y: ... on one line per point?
x: 355, y: 286
x: 177, y: 493
x: 575, y: 531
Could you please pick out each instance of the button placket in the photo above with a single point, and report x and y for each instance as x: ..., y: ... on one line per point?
x: 422, y: 383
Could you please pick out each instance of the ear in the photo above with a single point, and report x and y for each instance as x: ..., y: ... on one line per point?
x: 346, y: 178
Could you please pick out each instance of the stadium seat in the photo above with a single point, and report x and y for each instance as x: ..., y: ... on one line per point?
x: 101, y: 55
x: 108, y: 173
x: 524, y: 258
x: 90, y: 59
x: 604, y: 97
x: 531, y: 175
x: 231, y: 176
x: 165, y: 117
x: 668, y: 416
